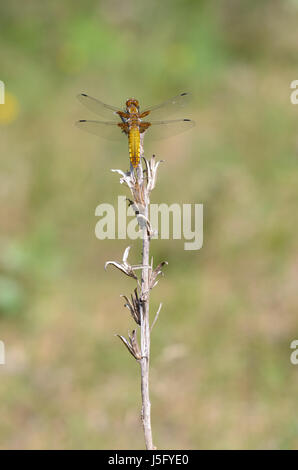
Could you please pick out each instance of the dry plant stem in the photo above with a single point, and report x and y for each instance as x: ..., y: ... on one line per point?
x: 145, y: 332
x: 140, y: 183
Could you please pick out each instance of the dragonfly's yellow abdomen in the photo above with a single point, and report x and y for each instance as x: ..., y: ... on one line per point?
x: 134, y: 145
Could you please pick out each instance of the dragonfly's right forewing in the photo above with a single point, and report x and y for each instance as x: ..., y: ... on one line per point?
x: 107, y: 129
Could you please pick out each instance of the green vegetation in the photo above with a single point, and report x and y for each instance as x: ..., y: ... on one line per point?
x: 221, y: 374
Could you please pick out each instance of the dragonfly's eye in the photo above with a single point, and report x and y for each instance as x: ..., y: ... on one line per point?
x: 132, y: 102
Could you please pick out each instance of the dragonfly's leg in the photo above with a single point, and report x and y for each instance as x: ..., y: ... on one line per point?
x: 124, y: 127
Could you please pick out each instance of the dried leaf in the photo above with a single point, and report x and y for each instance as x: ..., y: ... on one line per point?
x: 132, y: 345
x: 135, y: 345
x: 134, y: 307
x: 126, y: 270
x: 128, y: 346
x: 155, y: 273
x: 124, y: 267
x: 152, y: 167
x: 125, y: 254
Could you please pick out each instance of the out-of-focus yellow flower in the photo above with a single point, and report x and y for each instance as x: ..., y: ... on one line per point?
x: 9, y: 111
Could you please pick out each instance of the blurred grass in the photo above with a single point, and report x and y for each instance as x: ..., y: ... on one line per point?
x: 221, y: 375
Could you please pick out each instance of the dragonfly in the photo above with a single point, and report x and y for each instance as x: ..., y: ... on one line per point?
x: 133, y: 122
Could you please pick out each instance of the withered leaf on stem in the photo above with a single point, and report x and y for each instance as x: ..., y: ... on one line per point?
x: 132, y: 345
x: 134, y: 306
x: 155, y: 273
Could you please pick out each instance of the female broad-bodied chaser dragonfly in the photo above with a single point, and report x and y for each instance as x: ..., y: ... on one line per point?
x: 134, y: 122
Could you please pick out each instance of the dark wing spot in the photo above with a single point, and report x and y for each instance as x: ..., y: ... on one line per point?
x: 183, y: 94
x: 82, y: 120
x: 84, y: 94
x: 186, y: 119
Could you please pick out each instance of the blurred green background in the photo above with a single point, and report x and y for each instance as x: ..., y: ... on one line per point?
x: 221, y: 375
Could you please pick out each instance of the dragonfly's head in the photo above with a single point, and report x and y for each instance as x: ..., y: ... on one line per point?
x: 132, y: 105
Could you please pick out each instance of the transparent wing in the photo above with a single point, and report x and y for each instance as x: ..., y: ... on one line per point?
x: 108, y: 130
x: 98, y: 107
x: 164, y: 129
x: 173, y: 105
